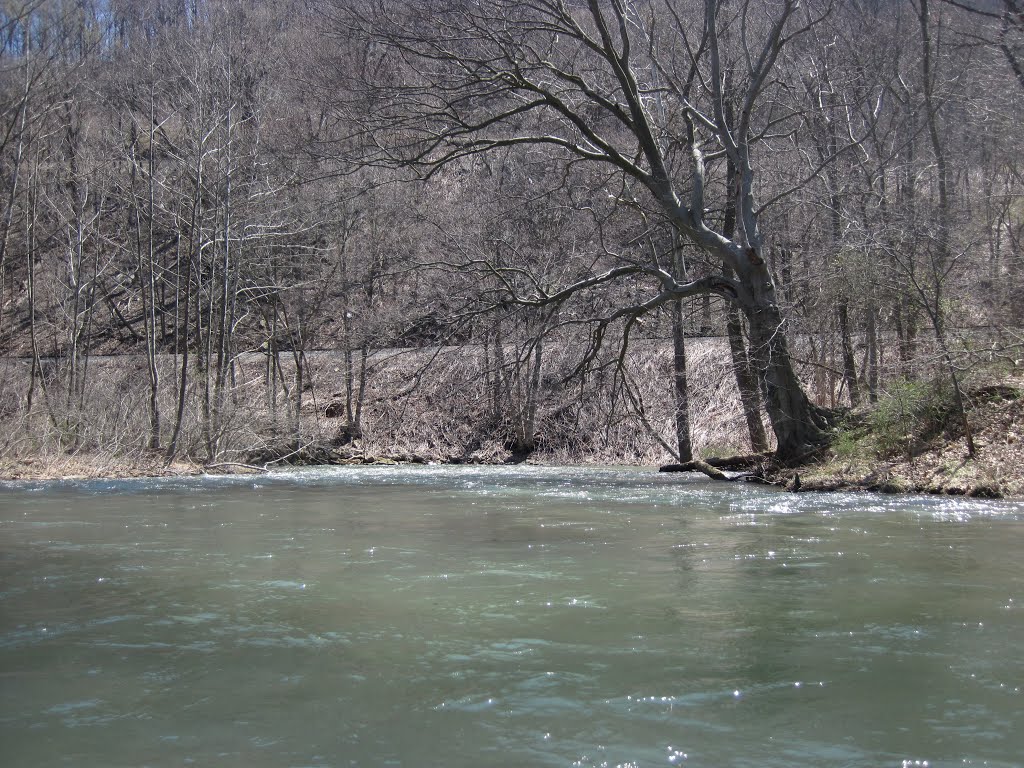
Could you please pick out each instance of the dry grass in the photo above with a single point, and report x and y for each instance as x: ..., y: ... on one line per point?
x: 441, y: 411
x: 88, y: 466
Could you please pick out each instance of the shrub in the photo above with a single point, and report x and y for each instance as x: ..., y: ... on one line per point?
x: 910, y: 414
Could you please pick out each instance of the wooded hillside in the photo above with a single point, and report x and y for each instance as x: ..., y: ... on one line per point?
x: 472, y: 228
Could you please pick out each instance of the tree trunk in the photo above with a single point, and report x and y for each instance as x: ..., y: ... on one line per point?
x: 680, y: 384
x: 193, y: 264
x: 746, y: 379
x: 798, y: 424
x: 145, y: 256
x: 872, y: 341
x: 849, y: 364
x: 357, y: 418
x: 529, y: 441
x: 746, y: 382
x: 681, y: 387
x: 270, y: 369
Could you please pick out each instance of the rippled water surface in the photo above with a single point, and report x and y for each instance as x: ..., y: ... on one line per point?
x: 438, y: 616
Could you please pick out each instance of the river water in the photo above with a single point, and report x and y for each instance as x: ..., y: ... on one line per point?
x: 507, y: 617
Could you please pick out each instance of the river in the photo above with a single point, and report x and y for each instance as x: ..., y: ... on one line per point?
x: 505, y: 617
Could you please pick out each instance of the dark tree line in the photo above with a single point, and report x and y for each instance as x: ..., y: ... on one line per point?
x: 219, y: 188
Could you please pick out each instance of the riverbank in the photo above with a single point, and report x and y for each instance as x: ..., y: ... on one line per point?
x: 93, y: 466
x: 944, y: 469
x: 912, y: 441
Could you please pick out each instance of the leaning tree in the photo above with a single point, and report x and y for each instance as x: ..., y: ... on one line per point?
x: 673, y: 97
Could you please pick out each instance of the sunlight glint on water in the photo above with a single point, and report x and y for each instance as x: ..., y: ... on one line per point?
x: 505, y: 617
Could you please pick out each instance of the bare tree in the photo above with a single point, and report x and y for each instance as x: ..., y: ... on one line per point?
x: 1002, y: 27
x: 584, y: 81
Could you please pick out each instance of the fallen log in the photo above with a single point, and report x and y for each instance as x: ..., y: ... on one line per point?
x: 240, y: 465
x: 698, y: 465
x: 746, y: 461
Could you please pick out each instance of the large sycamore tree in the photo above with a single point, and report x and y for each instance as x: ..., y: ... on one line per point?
x: 677, y: 99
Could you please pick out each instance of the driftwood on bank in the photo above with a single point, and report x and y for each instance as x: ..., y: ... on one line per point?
x: 238, y: 464
x: 714, y: 466
x: 746, y: 461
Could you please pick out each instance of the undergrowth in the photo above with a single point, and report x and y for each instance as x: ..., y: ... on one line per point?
x: 910, y: 415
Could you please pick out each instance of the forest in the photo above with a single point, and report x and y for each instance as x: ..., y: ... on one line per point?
x: 253, y: 232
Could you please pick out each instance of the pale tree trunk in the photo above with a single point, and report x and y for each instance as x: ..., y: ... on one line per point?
x: 357, y: 419
x: 204, y: 334
x: 527, y: 425
x: 19, y: 151
x: 872, y: 352
x: 30, y: 254
x: 849, y: 363
x: 270, y: 369
x: 680, y: 384
x: 300, y: 366
x: 181, y: 347
x: 146, y: 275
x: 353, y: 402
x: 836, y: 226
x: 193, y: 264
x: 225, y: 315
x: 295, y: 328
x: 75, y: 274
x: 497, y: 384
x: 939, y: 263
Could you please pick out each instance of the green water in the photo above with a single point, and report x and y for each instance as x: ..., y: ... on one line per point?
x: 505, y: 617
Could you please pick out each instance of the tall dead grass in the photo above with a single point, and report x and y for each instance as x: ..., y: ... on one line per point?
x: 437, y: 404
